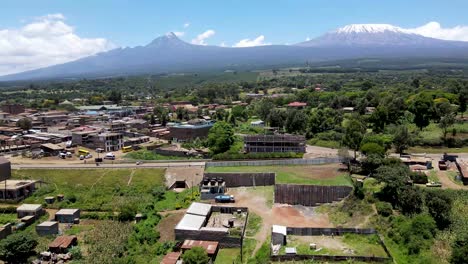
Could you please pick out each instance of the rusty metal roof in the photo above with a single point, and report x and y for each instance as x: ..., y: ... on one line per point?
x: 171, y: 258
x: 63, y: 242
x: 209, y: 246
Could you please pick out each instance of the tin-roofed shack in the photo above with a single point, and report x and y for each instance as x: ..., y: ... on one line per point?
x: 211, y: 247
x: 171, y: 258
x: 61, y: 244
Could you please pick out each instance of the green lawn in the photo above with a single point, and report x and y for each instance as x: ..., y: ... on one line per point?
x: 93, y: 189
x: 253, y: 225
x: 227, y: 256
x: 433, y: 176
x: 7, y: 218
x: 437, y: 150
x: 295, y: 174
x: 144, y: 154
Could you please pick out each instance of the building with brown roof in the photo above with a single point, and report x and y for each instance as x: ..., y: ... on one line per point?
x: 171, y: 258
x: 13, y: 109
x: 62, y: 244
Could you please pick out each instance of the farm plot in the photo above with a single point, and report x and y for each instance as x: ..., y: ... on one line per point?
x: 93, y: 189
x: 328, y: 174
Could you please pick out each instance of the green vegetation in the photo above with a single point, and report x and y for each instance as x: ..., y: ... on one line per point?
x: 247, y: 156
x: 295, y: 174
x: 144, y: 154
x: 253, y: 225
x: 196, y: 255
x: 17, y: 247
x: 7, y: 218
x: 94, y: 189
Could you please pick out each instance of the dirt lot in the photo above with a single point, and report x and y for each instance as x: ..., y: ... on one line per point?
x: 277, y: 214
x: 167, y: 224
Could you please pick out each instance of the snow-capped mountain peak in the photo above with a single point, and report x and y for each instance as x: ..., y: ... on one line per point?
x: 369, y: 28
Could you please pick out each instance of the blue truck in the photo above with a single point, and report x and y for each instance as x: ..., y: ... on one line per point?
x: 224, y: 199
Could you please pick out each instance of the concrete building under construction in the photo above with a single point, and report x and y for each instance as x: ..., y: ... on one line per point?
x: 16, y: 190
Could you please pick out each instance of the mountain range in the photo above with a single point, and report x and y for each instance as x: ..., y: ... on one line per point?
x: 169, y: 54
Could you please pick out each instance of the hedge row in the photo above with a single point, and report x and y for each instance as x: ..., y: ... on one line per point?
x: 253, y: 156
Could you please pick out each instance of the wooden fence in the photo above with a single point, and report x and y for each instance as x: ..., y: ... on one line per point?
x: 309, y: 195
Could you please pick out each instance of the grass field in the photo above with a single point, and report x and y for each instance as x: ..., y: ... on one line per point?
x: 317, y: 175
x: 144, y: 154
x: 93, y: 189
x: 437, y: 150
x: 7, y: 218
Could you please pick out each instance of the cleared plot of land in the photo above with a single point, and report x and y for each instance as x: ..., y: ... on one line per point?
x: 167, y: 224
x: 349, y: 244
x: 328, y: 174
x: 92, y: 189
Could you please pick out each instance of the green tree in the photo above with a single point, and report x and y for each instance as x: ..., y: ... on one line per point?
x: 410, y: 200
x: 439, y: 206
x: 296, y: 121
x: 196, y: 255
x: 460, y: 249
x: 354, y: 133
x: 263, y: 107
x: 115, y: 96
x: 24, y: 123
x: 446, y: 121
x: 17, y: 247
x: 220, y: 137
x: 422, y: 106
x: 401, y: 139
x: 277, y: 118
x: 372, y: 148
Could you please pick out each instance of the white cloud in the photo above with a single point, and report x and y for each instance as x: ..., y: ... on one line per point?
x: 186, y: 25
x: 45, y: 41
x: 307, y: 39
x: 435, y: 30
x: 200, y: 39
x: 223, y: 44
x: 259, y: 41
x: 179, y: 33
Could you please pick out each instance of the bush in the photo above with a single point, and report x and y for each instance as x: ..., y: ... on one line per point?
x: 76, y: 253
x: 419, y: 178
x: 384, y: 208
x: 196, y: 255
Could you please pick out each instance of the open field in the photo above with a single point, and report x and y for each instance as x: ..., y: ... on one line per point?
x: 328, y: 174
x: 93, y: 189
x: 348, y: 244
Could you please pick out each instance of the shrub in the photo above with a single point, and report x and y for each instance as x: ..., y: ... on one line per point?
x: 384, y: 208
x: 419, y: 178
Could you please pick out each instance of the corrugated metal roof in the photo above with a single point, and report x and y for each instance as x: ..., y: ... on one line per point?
x: 191, y: 222
x: 279, y: 229
x: 63, y: 242
x: 67, y: 211
x: 29, y: 207
x: 209, y: 246
x: 199, y: 209
x: 171, y: 258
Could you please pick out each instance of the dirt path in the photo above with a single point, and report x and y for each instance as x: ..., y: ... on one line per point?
x: 131, y: 177
x: 447, y: 183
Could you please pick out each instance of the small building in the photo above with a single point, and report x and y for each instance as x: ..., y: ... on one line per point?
x: 298, y: 105
x: 35, y: 210
x: 52, y: 149
x: 16, y: 189
x: 28, y: 220
x: 47, y: 228
x: 5, y: 169
x: 278, y: 235
x: 171, y: 258
x: 5, y: 230
x: 210, y: 188
x: 274, y: 143
x: 67, y: 215
x: 13, y: 109
x: 211, y: 247
x: 258, y: 123
x: 62, y: 244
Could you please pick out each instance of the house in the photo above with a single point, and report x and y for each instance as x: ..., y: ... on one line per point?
x: 5, y: 169
x: 35, y: 210
x: 13, y: 109
x: 278, y: 235
x: 67, y: 215
x: 297, y: 105
x: 62, y: 244
x: 16, y: 189
x: 274, y: 143
x: 211, y: 247
x: 5, y: 230
x: 47, y: 228
x: 52, y: 149
x: 196, y: 128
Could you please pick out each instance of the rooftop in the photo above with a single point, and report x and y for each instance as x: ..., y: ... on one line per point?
x: 171, y: 258
x: 63, y: 242
x: 199, y: 209
x: 29, y: 207
x: 67, y: 211
x: 209, y: 246
x: 15, y: 184
x: 48, y: 223
x: 191, y: 222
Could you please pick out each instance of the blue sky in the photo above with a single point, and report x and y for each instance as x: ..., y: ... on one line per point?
x: 40, y: 33
x: 137, y: 22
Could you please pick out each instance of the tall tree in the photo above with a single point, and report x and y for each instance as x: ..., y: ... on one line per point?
x: 401, y: 139
x: 17, y: 248
x: 354, y: 133
x: 24, y: 123
x: 196, y: 255
x: 422, y: 106
x: 220, y: 137
x: 296, y: 121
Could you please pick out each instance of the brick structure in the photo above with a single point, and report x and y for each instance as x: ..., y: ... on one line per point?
x: 13, y: 109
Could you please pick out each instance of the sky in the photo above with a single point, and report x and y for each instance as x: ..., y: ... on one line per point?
x: 35, y: 34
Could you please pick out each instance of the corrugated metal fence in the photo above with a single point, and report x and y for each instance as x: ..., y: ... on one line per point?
x: 245, y: 179
x: 309, y: 195
x: 315, y: 161
x: 311, y: 231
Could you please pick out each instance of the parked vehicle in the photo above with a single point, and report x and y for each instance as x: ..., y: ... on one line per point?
x: 109, y: 156
x: 68, y: 154
x: 81, y: 157
x: 442, y: 165
x: 224, y: 199
x: 433, y: 184
x: 88, y: 156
